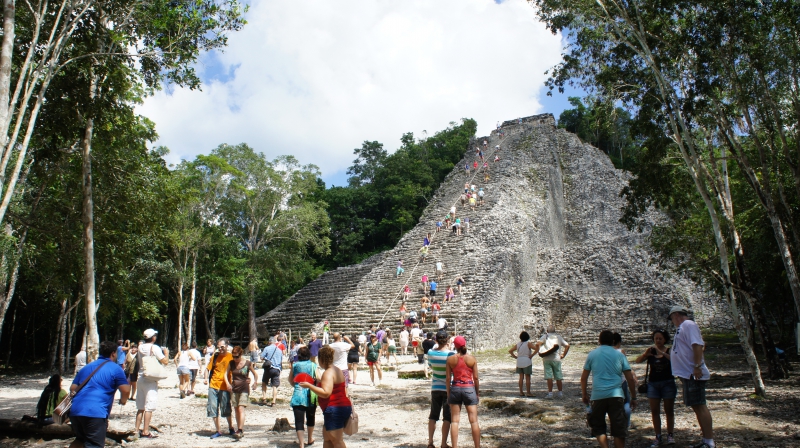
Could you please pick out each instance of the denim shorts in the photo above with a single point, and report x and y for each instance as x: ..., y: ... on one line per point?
x: 219, y: 403
x: 463, y: 396
x: 336, y: 417
x: 183, y: 370
x: 694, y: 392
x: 662, y: 390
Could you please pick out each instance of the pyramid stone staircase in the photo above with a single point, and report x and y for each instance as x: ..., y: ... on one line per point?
x: 546, y: 247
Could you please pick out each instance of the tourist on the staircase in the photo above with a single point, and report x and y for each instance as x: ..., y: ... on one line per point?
x: 400, y: 269
x: 303, y: 406
x: 374, y: 358
x: 341, y: 346
x: 424, y: 302
x: 457, y: 226
x: 449, y: 294
x: 466, y: 168
x: 403, y: 309
x: 237, y: 380
x: 147, y: 387
x: 475, y: 167
x: 439, y: 225
x: 463, y: 198
x: 480, y: 196
x: 273, y: 359
x: 606, y: 365
x: 424, y: 283
x: 453, y: 210
x: 441, y: 324
x: 333, y: 400
x: 423, y: 252
x: 459, y: 282
x: 548, y: 347
x: 219, y: 395
x: 352, y: 359
x: 496, y: 158
x: 523, y: 352
x: 688, y: 365
x: 486, y: 177
x: 472, y: 203
x: 435, y: 308
x: 326, y: 333
x: 404, y: 341
x: 463, y: 389
x: 381, y: 333
x: 437, y: 361
x: 617, y: 338
x: 466, y: 185
x: 466, y: 224
x: 434, y: 285
x: 660, y: 386
x: 406, y: 292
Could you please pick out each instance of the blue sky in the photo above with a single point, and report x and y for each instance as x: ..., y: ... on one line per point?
x: 315, y: 78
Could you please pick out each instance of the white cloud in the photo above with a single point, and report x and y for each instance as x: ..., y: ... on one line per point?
x: 315, y: 78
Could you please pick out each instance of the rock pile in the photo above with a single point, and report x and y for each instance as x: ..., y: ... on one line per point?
x: 547, y: 247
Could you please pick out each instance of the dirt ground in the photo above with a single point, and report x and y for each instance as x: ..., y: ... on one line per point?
x: 395, y: 413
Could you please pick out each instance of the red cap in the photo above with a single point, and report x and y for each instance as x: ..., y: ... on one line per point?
x: 459, y: 341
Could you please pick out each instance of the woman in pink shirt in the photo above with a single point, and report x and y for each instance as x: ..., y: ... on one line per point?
x: 425, y: 282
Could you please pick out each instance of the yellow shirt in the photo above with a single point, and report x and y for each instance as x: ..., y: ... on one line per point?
x: 217, y: 381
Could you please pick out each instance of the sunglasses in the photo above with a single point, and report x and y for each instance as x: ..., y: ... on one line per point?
x: 236, y: 357
x: 222, y: 347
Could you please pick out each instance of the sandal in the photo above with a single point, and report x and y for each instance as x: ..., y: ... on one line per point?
x: 147, y: 436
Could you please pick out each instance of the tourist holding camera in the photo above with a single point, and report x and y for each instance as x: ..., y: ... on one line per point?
x: 660, y: 385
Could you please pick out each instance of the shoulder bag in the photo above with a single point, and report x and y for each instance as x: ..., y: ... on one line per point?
x: 152, y: 368
x: 268, y: 360
x: 61, y: 412
x: 351, y: 427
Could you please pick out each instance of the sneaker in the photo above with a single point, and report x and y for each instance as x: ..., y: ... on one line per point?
x: 549, y: 395
x: 215, y: 435
x: 183, y: 395
x: 559, y: 394
x: 657, y: 441
x: 670, y: 440
x: 239, y: 434
x: 232, y: 431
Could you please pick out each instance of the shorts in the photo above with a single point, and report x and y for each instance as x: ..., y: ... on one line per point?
x: 89, y: 430
x: 392, y: 349
x: 552, y: 370
x: 194, y: 375
x: 304, y: 413
x: 336, y: 417
x: 271, y: 376
x: 352, y: 359
x: 694, y: 392
x: 463, y: 396
x: 146, y: 395
x: 183, y: 370
x: 525, y: 370
x: 439, y: 405
x: 662, y: 390
x: 133, y: 378
x: 240, y: 399
x: 374, y: 363
x: 615, y: 409
x: 219, y: 403
x: 433, y: 292
x: 421, y: 358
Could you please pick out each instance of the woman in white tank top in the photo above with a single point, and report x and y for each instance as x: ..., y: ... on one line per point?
x: 523, y: 356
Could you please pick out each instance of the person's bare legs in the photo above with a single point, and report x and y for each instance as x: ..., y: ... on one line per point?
x: 455, y: 419
x: 274, y: 394
x: 146, y: 427
x: 669, y: 409
x: 520, y: 383
x: 472, y: 414
x: 310, y: 434
x: 704, y: 420
x: 527, y: 384
x: 133, y: 391
x: 263, y: 392
x: 445, y: 433
x: 559, y: 384
x: 549, y: 386
x: 602, y: 440
x: 655, y: 414
x: 372, y: 373
x: 240, y: 417
x: 301, y: 438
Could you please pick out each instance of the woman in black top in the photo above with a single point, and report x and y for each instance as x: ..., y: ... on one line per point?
x: 352, y: 359
x: 660, y: 386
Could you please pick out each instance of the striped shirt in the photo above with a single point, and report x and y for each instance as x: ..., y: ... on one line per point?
x: 437, y: 361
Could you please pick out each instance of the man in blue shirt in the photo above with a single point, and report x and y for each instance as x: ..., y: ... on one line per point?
x: 314, y: 347
x: 273, y: 354
x: 607, y: 366
x: 122, y: 352
x: 92, y: 404
x: 434, y: 285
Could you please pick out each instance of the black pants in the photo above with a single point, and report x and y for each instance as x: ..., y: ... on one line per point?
x: 302, y: 411
x: 89, y: 430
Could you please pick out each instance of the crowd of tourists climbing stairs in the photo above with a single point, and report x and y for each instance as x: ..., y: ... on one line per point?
x: 379, y: 293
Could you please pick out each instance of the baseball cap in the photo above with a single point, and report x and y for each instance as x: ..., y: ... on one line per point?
x: 442, y: 334
x: 459, y: 341
x: 677, y: 309
x: 149, y: 333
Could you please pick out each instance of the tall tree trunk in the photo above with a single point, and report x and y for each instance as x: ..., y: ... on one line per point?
x: 251, y: 313
x: 192, y: 299
x: 6, y: 54
x: 62, y: 333
x: 179, y: 305
x: 89, y: 287
x: 11, y: 336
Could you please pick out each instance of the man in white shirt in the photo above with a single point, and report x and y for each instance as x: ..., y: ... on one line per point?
x: 415, y: 331
x: 80, y: 360
x: 548, y: 347
x: 340, y: 349
x: 688, y: 364
x: 194, y: 365
x: 442, y: 323
x: 439, y: 270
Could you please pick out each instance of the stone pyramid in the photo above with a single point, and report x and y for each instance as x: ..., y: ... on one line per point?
x: 546, y: 247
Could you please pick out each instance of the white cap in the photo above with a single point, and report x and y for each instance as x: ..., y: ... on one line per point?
x: 677, y: 309
x: 149, y: 333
